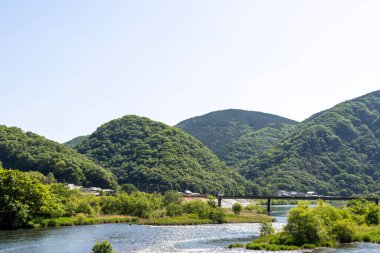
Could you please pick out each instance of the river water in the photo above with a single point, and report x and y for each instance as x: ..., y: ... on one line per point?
x: 136, y: 238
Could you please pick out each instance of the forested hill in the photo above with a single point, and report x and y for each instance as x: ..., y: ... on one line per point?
x: 336, y: 151
x: 29, y: 151
x: 75, y: 142
x: 235, y: 135
x: 155, y: 156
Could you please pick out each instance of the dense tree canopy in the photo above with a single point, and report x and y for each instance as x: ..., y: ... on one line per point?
x: 21, y: 197
x: 75, y: 142
x: 157, y: 157
x: 336, y: 151
x: 234, y: 135
x: 31, y: 152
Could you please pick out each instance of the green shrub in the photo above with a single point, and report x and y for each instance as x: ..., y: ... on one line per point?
x: 80, y: 219
x: 174, y: 209
x: 266, y: 228
x: 366, y: 237
x: 255, y: 246
x: 256, y: 208
x: 372, y: 216
x: 237, y: 208
x: 236, y: 245
x: 52, y: 223
x: 199, y: 207
x: 303, y: 226
x: 309, y: 246
x: 102, y: 247
x: 172, y: 197
x: 212, y: 201
x: 217, y: 215
x: 343, y: 231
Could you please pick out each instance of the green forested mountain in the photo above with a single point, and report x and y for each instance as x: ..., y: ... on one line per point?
x: 29, y: 151
x: 336, y: 151
x: 155, y: 156
x: 75, y: 142
x: 237, y: 134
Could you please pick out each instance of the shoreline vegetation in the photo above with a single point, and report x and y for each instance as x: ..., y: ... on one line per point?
x: 188, y: 219
x: 30, y: 200
x: 321, y: 226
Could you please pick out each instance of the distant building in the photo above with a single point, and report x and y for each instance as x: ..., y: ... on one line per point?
x: 282, y: 193
x: 187, y: 193
x: 74, y: 187
x: 311, y: 194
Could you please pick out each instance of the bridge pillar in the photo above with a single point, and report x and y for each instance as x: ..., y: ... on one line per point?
x: 268, y: 204
x: 220, y: 202
x: 377, y: 201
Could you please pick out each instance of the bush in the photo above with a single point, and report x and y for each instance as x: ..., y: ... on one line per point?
x: 344, y: 231
x: 211, y: 201
x: 255, y: 246
x: 217, y: 215
x: 174, y: 209
x: 237, y: 208
x: 309, y: 246
x: 172, y: 197
x: 85, y: 207
x: 256, y: 208
x: 372, y: 215
x: 80, y: 219
x: 110, y: 205
x: 102, y: 247
x: 198, y: 207
x: 304, y: 226
x: 365, y: 237
x: 236, y: 245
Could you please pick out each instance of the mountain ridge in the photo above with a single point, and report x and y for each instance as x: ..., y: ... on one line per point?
x: 335, y: 151
x: 151, y: 154
x: 219, y: 130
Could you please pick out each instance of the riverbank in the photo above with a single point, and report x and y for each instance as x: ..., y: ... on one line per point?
x: 187, y: 219
x: 321, y: 226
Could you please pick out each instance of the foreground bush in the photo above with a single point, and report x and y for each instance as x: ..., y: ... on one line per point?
x: 102, y: 247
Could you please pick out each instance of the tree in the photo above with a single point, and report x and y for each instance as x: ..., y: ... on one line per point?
x: 173, y: 197
x: 21, y: 197
x: 303, y: 226
x: 266, y: 228
x: 237, y: 208
x: 129, y: 188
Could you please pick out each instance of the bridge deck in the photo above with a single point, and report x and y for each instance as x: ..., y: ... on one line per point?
x: 269, y: 198
x: 295, y: 197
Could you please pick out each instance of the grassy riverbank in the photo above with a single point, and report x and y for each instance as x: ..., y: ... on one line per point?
x: 186, y: 219
x: 81, y: 219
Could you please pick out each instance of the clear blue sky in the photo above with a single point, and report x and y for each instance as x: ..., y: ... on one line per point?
x: 66, y: 67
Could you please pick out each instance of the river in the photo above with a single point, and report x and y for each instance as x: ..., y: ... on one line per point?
x: 135, y: 238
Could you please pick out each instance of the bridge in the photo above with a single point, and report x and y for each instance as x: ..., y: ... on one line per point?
x: 269, y: 198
